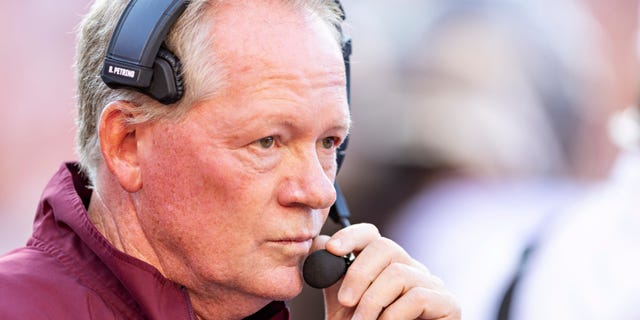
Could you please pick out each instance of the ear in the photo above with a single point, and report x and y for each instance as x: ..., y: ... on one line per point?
x: 118, y: 144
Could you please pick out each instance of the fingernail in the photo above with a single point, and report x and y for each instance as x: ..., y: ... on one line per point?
x: 336, y: 243
x: 345, y: 295
x: 356, y: 317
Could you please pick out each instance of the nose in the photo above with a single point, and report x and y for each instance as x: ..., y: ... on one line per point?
x: 307, y: 183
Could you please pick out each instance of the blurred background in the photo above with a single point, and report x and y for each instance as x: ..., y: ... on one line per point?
x: 37, y: 45
x: 475, y: 123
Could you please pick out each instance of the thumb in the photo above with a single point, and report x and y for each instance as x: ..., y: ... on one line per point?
x: 319, y: 243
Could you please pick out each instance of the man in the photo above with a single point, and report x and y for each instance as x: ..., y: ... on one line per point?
x: 206, y: 208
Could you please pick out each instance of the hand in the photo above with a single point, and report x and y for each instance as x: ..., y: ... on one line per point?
x: 384, y: 282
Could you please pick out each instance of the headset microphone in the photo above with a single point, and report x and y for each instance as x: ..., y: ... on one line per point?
x: 322, y: 269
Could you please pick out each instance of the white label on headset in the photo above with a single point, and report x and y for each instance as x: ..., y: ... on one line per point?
x: 122, y: 72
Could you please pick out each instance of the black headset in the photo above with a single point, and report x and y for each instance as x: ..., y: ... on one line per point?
x: 137, y: 59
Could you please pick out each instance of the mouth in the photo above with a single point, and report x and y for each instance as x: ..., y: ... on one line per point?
x: 295, y: 245
x: 296, y: 238
x: 294, y: 241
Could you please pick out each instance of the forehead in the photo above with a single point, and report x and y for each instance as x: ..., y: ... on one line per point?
x: 274, y: 52
x: 254, y: 35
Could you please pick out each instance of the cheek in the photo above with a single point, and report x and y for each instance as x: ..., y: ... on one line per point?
x: 192, y: 195
x: 186, y: 178
x: 182, y: 184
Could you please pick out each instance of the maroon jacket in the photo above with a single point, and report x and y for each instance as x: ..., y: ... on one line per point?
x: 68, y: 270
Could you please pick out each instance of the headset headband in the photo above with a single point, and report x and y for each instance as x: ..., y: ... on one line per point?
x: 131, y: 56
x: 346, y: 54
x: 131, y: 60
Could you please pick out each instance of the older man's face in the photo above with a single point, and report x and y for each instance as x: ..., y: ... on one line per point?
x: 234, y: 193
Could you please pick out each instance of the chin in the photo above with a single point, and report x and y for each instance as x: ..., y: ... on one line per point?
x: 283, y: 284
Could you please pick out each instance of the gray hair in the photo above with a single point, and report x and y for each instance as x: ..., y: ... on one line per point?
x: 203, y: 73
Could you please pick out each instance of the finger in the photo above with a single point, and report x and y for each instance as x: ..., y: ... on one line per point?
x: 393, y: 282
x: 369, y: 264
x: 425, y: 304
x: 352, y: 238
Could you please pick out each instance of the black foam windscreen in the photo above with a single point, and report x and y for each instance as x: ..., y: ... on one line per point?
x: 322, y: 269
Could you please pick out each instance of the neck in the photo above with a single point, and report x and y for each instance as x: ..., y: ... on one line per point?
x: 116, y: 219
x: 232, y: 306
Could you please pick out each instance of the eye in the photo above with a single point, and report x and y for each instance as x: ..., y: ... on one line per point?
x: 329, y: 142
x: 266, y: 142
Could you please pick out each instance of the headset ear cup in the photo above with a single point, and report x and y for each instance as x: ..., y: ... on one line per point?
x: 168, y: 83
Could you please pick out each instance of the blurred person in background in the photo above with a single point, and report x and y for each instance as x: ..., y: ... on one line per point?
x: 500, y: 115
x: 503, y: 118
x: 583, y: 265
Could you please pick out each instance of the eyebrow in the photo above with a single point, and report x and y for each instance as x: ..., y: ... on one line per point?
x: 344, y: 125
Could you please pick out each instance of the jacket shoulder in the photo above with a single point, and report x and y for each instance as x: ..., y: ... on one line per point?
x: 35, y: 285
